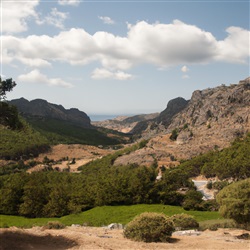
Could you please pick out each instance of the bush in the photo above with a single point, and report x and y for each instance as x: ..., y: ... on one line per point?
x: 149, y: 227
x: 235, y: 203
x: 219, y: 185
x: 54, y: 225
x: 174, y: 135
x: 209, y: 185
x: 184, y: 221
x: 192, y: 200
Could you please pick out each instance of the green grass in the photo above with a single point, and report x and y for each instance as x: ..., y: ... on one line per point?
x: 19, y: 221
x: 105, y: 215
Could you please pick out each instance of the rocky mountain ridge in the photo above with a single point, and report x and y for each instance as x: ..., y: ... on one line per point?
x: 163, y: 120
x: 211, y: 120
x: 43, y: 109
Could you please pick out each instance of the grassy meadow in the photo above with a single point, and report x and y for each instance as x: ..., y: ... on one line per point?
x: 105, y: 215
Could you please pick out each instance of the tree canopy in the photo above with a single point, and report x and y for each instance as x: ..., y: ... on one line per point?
x: 6, y: 86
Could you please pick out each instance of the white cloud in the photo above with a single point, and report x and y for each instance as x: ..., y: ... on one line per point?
x: 235, y: 48
x: 106, y: 19
x: 184, y: 69
x: 162, y: 45
x: 99, y: 74
x: 36, y: 77
x: 15, y: 15
x: 55, y: 18
x: 69, y: 2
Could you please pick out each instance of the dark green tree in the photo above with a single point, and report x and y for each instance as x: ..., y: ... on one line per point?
x: 6, y: 86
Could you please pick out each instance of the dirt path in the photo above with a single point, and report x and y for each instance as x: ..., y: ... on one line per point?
x: 102, y: 239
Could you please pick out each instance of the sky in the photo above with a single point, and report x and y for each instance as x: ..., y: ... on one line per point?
x: 122, y: 57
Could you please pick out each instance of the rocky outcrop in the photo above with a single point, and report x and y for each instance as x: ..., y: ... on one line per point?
x: 174, y: 107
x: 224, y: 103
x: 43, y: 109
x: 155, y: 125
x: 224, y: 106
x: 213, y: 119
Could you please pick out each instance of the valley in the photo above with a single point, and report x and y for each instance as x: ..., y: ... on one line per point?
x: 56, y: 163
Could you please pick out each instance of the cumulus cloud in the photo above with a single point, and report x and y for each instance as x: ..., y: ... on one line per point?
x: 235, y: 48
x: 15, y: 15
x: 54, y: 18
x: 69, y: 2
x: 106, y: 19
x: 102, y: 73
x: 184, y: 69
x: 162, y: 45
x: 35, y: 76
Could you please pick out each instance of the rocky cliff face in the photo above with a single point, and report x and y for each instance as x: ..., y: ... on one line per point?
x: 224, y: 110
x: 42, y: 108
x: 212, y: 119
x: 153, y: 126
x: 174, y: 107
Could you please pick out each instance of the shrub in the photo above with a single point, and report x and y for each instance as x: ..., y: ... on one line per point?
x: 209, y: 205
x: 219, y: 185
x: 54, y: 225
x: 209, y: 185
x: 192, y: 200
x: 184, y: 221
x: 234, y: 201
x: 174, y: 134
x: 149, y: 227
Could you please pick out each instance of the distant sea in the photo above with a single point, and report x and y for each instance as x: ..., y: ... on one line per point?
x: 95, y: 118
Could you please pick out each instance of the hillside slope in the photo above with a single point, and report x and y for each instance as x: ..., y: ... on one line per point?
x: 18, y: 139
x: 212, y: 119
x: 62, y: 125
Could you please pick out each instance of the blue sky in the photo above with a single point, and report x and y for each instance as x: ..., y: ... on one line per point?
x: 122, y: 57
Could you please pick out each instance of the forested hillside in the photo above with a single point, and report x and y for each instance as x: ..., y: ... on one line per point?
x: 53, y: 194
x: 18, y: 138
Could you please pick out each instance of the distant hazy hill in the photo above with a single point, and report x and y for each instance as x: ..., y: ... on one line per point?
x: 42, y: 108
x: 124, y: 123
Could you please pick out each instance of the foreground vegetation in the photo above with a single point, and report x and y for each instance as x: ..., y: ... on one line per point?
x: 100, y: 183
x: 105, y: 215
x: 149, y: 227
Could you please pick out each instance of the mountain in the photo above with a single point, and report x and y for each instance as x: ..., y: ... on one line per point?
x: 211, y: 120
x: 60, y: 125
x: 164, y: 118
x: 43, y: 109
x: 173, y: 107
